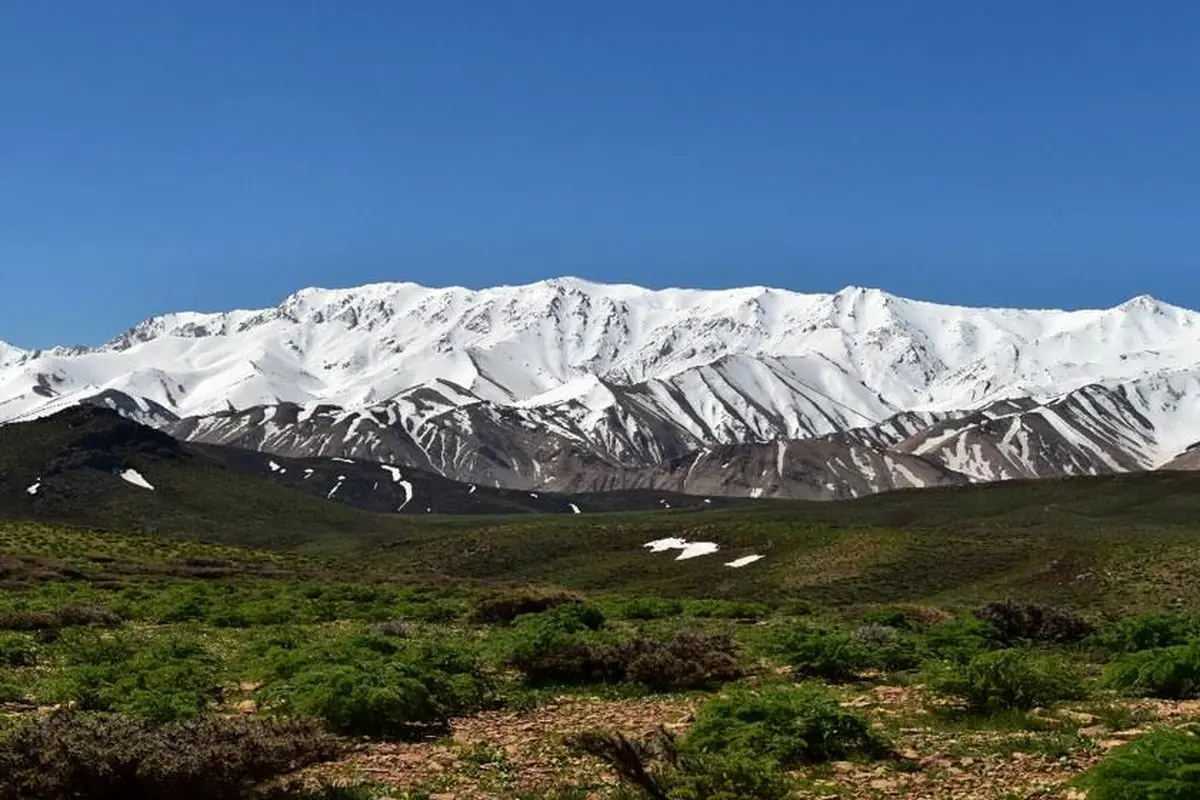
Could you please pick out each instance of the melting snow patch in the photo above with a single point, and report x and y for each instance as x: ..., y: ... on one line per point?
x: 472, y: 489
x: 708, y: 501
x: 135, y: 477
x: 406, y: 487
x: 336, y: 486
x: 393, y: 471
x: 743, y: 561
x: 574, y: 508
x: 343, y: 460
x: 307, y: 474
x: 756, y: 492
x: 34, y: 489
x: 533, y: 495
x: 274, y: 467
x: 687, y: 549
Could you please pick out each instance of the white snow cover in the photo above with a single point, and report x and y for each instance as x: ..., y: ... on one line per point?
x: 751, y: 364
x: 135, y: 477
x: 686, y: 549
x: 407, y: 488
x: 35, y: 488
x: 738, y: 563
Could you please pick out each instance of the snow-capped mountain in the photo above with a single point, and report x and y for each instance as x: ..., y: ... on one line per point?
x: 571, y: 385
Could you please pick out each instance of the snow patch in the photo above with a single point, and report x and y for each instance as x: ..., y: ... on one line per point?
x: 134, y: 477
x: 686, y: 549
x: 738, y: 563
x: 343, y: 460
x: 34, y: 489
x: 393, y: 471
x: 574, y: 508
x: 407, y: 488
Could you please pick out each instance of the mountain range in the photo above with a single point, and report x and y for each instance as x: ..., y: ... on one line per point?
x: 570, y: 387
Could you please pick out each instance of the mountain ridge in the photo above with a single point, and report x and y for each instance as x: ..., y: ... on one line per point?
x: 595, y: 385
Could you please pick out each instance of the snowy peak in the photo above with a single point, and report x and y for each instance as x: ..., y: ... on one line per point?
x: 563, y: 379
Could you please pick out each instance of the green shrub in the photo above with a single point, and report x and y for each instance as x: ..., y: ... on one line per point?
x: 70, y: 754
x: 1149, y: 632
x: 1162, y: 765
x: 17, y: 650
x: 736, y: 777
x: 647, y: 608
x: 960, y: 639
x: 788, y: 725
x: 727, y: 609
x: 828, y: 654
x: 375, y: 687
x: 171, y: 678
x: 1170, y: 672
x: 885, y: 647
x: 10, y: 690
x: 505, y: 608
x: 1030, y: 622
x: 564, y: 645
x: 1014, y: 679
x: 655, y: 769
x: 906, y: 618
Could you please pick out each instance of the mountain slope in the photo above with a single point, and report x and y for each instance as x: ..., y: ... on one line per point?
x: 88, y: 465
x: 571, y: 383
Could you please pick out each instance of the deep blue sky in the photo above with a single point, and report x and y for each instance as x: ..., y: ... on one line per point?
x: 159, y: 156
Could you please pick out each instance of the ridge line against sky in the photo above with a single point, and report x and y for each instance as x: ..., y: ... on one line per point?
x: 366, y: 288
x: 161, y: 158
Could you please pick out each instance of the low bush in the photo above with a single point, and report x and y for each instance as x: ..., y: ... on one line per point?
x: 687, y: 661
x: 1149, y: 632
x: 788, y: 725
x: 654, y: 769
x: 392, y: 627
x: 1013, y: 679
x: 960, y: 639
x: 887, y: 648
x: 564, y: 645
x: 558, y: 647
x: 167, y: 679
x: 1170, y: 672
x: 737, y: 777
x: 69, y: 617
x: 1030, y: 622
x: 379, y: 687
x: 1162, y: 765
x: 505, y: 608
x: 17, y: 650
x: 70, y: 754
x: 28, y: 620
x: 831, y: 655
x: 727, y: 609
x: 647, y: 608
x: 10, y: 690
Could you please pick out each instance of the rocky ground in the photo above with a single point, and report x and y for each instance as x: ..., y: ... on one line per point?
x: 523, y: 755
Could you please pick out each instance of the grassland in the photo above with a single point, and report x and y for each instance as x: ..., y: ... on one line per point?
x: 391, y: 638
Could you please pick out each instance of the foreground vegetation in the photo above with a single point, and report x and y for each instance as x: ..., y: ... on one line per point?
x: 151, y: 666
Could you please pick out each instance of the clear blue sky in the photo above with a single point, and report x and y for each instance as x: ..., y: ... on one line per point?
x: 165, y: 155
